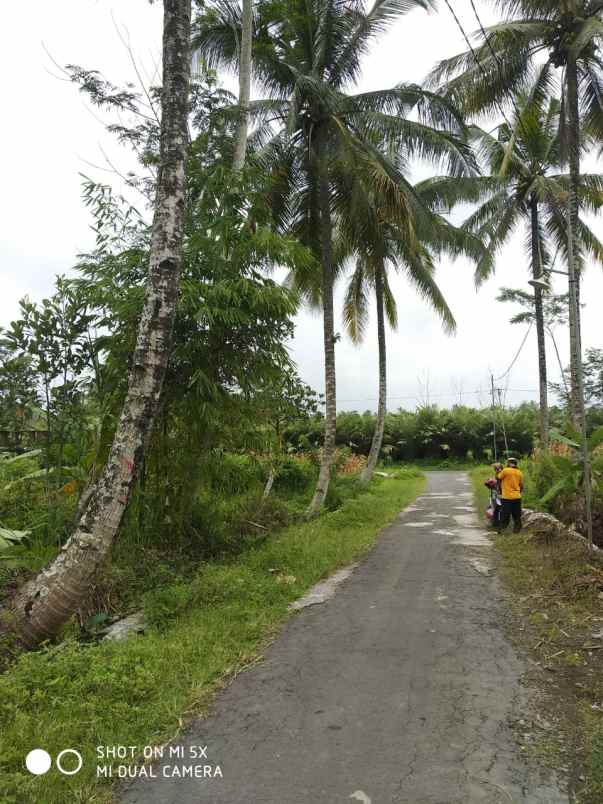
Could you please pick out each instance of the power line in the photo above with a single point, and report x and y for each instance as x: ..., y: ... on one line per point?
x: 481, y: 67
x: 434, y: 396
x: 476, y: 60
x: 497, y: 61
x: 525, y: 337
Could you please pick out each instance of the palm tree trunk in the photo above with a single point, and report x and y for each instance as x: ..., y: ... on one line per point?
x: 560, y: 364
x: 373, y: 456
x: 244, y: 85
x: 573, y: 136
x: 50, y: 599
x: 326, y: 235
x: 540, y: 333
x: 577, y: 383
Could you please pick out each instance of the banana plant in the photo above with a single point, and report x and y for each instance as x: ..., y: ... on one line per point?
x: 10, y: 538
x: 571, y: 468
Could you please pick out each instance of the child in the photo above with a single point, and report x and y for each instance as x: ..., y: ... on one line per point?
x: 494, y: 510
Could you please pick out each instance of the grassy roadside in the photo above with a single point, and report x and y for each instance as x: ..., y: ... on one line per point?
x: 557, y: 598
x: 140, y: 692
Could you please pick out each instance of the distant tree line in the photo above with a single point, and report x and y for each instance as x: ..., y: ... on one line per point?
x: 459, y: 433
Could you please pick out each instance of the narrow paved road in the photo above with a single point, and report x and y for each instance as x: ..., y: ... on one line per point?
x: 398, y: 690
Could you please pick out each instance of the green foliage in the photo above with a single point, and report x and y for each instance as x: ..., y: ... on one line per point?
x: 592, y: 792
x: 164, y: 604
x: 230, y: 474
x: 295, y: 475
x: 592, y: 368
x: 430, y: 433
x: 108, y: 694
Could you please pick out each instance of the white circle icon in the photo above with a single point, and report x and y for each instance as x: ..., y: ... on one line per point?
x: 76, y: 754
x: 38, y: 761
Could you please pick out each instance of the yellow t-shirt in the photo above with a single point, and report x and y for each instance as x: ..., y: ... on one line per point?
x: 511, y: 483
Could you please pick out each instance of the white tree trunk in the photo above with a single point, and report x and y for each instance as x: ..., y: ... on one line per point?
x: 49, y: 600
x: 375, y: 451
x: 576, y: 374
x: 244, y: 85
x: 326, y: 246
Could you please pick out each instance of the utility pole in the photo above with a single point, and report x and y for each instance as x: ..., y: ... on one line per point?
x: 493, y: 417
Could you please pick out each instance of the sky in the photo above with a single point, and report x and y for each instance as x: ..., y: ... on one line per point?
x: 52, y: 136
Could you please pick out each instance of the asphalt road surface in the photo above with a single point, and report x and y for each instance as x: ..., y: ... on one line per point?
x: 398, y: 690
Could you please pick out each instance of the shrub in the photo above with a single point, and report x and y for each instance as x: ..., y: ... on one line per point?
x: 295, y: 474
x: 233, y: 473
x: 164, y: 604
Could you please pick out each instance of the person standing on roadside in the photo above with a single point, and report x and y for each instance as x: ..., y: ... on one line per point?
x: 511, y: 491
x: 493, y: 484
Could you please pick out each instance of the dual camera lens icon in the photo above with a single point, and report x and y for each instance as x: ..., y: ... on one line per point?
x: 39, y: 761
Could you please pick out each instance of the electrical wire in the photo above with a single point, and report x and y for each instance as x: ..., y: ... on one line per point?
x: 433, y: 396
x: 496, y: 59
x: 525, y: 337
x: 482, y: 69
x: 476, y: 60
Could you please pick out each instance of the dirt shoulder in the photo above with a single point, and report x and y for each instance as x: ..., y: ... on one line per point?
x: 555, y: 618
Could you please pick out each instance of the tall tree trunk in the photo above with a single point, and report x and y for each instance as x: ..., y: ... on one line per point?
x: 375, y: 450
x: 573, y: 145
x: 577, y: 382
x: 49, y: 600
x: 540, y: 333
x: 244, y: 85
x: 560, y: 364
x: 326, y: 236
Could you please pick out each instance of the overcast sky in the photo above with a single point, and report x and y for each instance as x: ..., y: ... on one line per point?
x: 50, y: 135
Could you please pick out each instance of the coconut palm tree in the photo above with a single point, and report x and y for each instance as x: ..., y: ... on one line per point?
x: 371, y: 276
x: 378, y: 245
x: 307, y: 58
x: 524, y: 185
x: 244, y: 84
x: 570, y: 33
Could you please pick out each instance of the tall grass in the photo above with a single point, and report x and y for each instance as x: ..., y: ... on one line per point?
x: 138, y: 693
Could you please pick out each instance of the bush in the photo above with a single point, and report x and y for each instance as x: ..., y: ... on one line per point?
x: 295, y: 474
x: 162, y: 605
x: 341, y: 489
x: 231, y: 473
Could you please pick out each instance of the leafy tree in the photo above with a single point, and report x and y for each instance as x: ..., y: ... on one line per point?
x: 281, y: 402
x: 54, y: 338
x: 554, y: 313
x: 592, y: 368
x: 18, y: 392
x: 306, y: 56
x: 46, y: 602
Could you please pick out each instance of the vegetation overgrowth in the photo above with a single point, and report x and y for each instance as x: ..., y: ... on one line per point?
x: 159, y: 451
x: 557, y: 601
x: 204, y: 626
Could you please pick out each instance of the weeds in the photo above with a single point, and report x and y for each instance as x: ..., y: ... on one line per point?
x: 203, y: 628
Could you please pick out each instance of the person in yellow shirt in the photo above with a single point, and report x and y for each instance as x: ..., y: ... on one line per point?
x: 511, y: 490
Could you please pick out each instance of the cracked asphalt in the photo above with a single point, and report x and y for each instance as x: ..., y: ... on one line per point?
x: 400, y: 689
